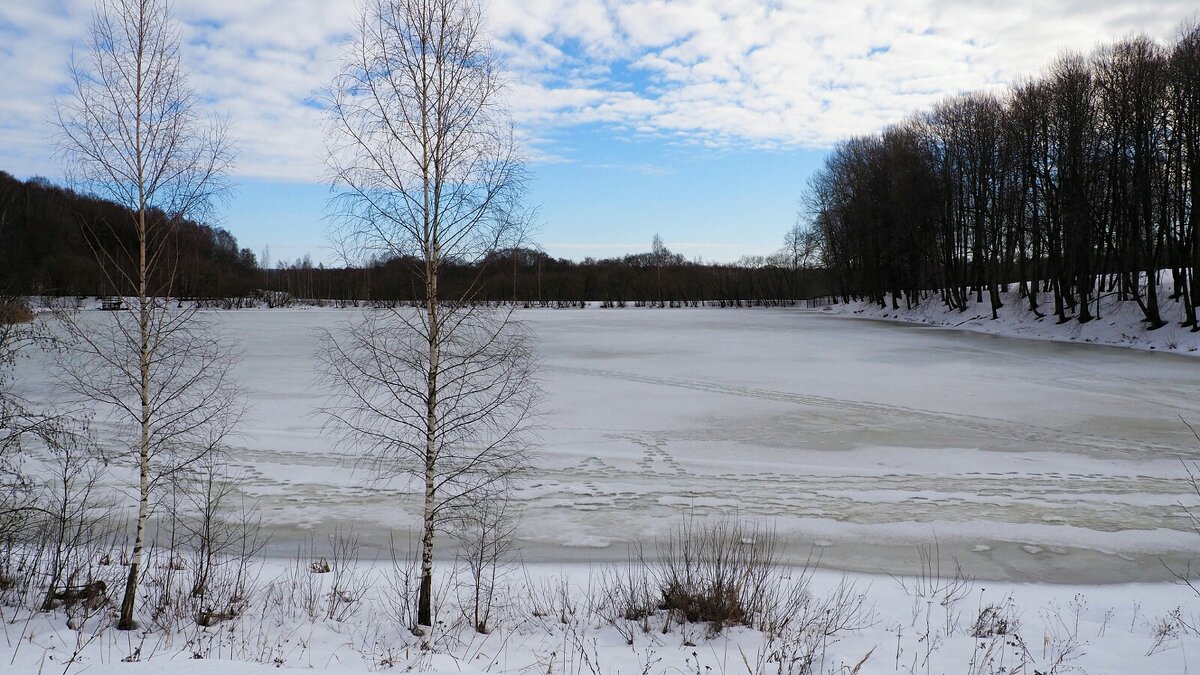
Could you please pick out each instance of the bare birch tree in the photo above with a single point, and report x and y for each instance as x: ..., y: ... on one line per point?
x: 427, y: 172
x: 129, y: 132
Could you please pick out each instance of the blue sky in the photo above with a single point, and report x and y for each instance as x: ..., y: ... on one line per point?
x: 608, y: 198
x: 700, y: 120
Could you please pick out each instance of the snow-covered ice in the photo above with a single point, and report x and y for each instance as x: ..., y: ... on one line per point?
x: 1029, y: 461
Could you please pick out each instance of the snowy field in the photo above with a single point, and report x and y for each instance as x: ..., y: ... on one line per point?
x: 1053, y: 473
x: 1029, y: 461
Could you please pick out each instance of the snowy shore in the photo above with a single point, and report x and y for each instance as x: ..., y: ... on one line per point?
x: 1120, y: 323
x: 559, y: 620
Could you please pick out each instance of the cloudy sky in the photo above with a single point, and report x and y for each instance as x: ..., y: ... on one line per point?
x: 697, y: 119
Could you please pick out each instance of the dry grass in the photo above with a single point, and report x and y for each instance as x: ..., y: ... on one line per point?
x: 13, y: 312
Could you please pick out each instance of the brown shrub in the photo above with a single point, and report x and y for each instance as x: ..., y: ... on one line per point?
x: 14, y: 312
x: 722, y: 572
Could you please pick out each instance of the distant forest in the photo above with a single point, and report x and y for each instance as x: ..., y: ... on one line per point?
x: 1077, y: 185
x: 45, y: 250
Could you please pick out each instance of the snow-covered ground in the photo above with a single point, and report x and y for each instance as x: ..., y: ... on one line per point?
x: 1043, y: 467
x: 1120, y: 323
x: 556, y: 619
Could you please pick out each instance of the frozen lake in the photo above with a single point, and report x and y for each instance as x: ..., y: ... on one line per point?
x: 1029, y: 461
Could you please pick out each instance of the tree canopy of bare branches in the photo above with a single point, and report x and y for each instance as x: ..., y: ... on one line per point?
x: 421, y: 151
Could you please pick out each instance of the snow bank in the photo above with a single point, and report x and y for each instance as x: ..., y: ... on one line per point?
x: 1120, y: 323
x: 548, y: 622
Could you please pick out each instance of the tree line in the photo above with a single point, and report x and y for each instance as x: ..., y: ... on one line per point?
x: 1076, y: 186
x: 530, y: 277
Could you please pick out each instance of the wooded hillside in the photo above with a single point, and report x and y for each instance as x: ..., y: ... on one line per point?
x: 48, y: 233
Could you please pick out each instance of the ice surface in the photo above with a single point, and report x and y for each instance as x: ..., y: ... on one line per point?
x: 1029, y: 460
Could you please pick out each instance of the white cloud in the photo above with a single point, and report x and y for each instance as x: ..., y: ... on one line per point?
x: 254, y: 63
x: 769, y: 73
x: 807, y: 73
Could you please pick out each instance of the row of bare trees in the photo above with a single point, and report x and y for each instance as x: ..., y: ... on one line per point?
x: 1079, y: 184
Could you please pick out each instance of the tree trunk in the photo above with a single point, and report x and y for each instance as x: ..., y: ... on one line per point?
x: 425, y: 596
x: 129, y: 601
x: 1150, y: 309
